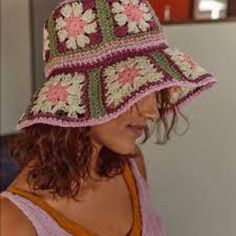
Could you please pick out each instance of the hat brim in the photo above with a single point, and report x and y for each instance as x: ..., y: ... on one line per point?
x: 77, y: 97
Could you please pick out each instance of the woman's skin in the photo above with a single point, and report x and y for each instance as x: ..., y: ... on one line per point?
x: 118, y: 137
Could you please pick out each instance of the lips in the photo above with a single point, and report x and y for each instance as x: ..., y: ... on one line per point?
x: 137, y: 130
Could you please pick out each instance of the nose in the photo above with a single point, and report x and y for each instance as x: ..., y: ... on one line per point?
x: 148, y: 107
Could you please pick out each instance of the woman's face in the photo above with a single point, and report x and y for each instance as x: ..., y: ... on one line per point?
x: 119, y: 135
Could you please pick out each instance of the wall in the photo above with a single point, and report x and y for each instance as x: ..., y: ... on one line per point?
x: 41, y: 10
x: 15, y: 62
x: 192, y: 178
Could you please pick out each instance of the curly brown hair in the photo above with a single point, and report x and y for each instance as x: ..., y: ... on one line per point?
x: 62, y: 156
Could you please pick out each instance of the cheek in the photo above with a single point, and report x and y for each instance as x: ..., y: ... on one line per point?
x: 119, y: 135
x: 121, y: 141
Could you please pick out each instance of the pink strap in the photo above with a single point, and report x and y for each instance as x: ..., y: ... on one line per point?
x: 152, y: 223
x: 42, y: 222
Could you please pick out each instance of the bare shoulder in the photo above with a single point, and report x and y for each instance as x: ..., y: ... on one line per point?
x: 141, y: 163
x: 13, y: 221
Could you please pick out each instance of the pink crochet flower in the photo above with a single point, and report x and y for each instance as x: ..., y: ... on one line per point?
x: 128, y: 75
x: 187, y: 58
x: 185, y: 62
x: 75, y: 25
x: 133, y: 12
x: 61, y: 93
x: 56, y: 92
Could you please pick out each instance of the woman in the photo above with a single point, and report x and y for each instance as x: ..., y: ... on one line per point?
x: 109, y: 70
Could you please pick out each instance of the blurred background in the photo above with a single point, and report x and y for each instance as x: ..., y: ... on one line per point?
x: 192, y: 178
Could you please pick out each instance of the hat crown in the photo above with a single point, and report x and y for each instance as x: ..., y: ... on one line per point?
x: 76, y: 26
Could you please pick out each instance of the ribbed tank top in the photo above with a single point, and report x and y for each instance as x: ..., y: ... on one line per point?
x: 49, y: 222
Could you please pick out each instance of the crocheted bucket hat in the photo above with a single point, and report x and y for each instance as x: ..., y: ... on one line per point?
x: 103, y: 56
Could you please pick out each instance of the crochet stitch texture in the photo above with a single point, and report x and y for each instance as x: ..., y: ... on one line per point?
x: 103, y: 56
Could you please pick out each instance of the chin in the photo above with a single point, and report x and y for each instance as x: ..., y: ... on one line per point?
x: 127, y: 149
